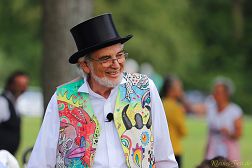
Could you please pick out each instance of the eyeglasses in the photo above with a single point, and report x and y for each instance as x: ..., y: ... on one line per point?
x: 107, y: 61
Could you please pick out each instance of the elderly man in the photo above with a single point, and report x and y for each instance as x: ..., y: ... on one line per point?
x: 106, y: 118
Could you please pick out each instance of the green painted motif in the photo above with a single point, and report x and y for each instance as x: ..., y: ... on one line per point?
x: 79, y: 127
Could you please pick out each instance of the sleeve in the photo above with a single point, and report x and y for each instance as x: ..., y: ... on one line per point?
x: 236, y: 111
x: 4, y: 112
x: 44, y: 150
x: 163, y: 151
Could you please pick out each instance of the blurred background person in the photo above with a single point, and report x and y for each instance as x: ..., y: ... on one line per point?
x: 131, y: 66
x: 7, y: 160
x: 224, y: 121
x: 172, y: 96
x: 10, y: 121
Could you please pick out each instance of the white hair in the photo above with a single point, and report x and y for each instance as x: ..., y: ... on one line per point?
x: 80, y: 71
x: 227, y: 82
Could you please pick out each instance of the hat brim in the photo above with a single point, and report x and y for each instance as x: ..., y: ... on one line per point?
x: 74, y: 58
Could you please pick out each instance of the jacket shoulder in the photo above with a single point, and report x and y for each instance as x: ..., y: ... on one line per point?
x: 73, y: 85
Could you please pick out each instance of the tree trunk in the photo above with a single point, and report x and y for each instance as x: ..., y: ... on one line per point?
x: 238, y: 19
x: 58, y: 17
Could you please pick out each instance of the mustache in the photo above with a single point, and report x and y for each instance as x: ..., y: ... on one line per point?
x: 113, y: 71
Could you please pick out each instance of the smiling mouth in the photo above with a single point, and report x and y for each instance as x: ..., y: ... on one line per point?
x: 113, y: 73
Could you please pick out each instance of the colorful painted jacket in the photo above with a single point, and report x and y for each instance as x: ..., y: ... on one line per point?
x: 80, y: 129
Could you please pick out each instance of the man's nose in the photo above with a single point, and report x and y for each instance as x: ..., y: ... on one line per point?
x: 115, y: 63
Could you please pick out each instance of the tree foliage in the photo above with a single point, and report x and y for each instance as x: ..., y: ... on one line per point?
x: 197, y: 40
x: 168, y: 43
x: 225, y: 27
x: 20, y: 37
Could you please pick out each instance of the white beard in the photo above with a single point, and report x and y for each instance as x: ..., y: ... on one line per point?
x: 105, y: 81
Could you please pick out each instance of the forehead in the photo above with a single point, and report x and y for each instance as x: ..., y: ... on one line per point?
x: 21, y: 78
x: 176, y: 82
x: 220, y: 87
x: 110, y: 50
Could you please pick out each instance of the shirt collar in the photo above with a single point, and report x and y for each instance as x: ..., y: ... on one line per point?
x: 84, y: 87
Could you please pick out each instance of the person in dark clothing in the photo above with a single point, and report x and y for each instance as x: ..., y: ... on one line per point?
x: 10, y: 120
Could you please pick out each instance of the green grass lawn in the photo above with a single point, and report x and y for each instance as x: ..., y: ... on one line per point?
x: 194, y: 143
x: 30, y: 129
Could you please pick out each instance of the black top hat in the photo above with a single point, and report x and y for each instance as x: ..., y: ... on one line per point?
x: 93, y: 34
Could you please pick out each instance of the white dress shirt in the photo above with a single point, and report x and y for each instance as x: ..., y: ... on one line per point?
x: 4, y: 106
x: 109, y: 153
x: 4, y: 112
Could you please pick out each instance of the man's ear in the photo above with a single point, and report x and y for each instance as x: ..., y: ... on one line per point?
x: 84, y: 66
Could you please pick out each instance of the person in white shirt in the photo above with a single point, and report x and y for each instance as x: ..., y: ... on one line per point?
x: 108, y: 117
x: 225, y: 121
x: 10, y: 120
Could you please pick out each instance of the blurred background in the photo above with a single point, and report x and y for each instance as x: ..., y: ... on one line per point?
x: 194, y: 39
